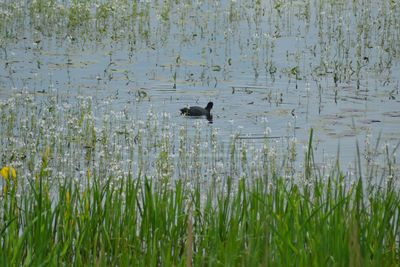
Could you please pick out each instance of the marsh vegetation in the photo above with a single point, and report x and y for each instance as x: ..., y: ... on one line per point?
x: 299, y: 167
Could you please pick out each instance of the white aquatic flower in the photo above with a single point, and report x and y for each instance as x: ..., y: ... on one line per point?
x: 166, y: 115
x: 150, y: 112
x: 198, y: 124
x: 264, y: 119
x: 205, y: 144
x: 305, y: 148
x: 11, y: 102
x: 307, y: 88
x: 384, y: 146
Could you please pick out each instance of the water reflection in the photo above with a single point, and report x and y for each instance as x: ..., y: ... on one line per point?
x: 210, y: 118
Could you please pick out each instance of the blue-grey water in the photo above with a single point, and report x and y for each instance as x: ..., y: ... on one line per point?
x: 327, y: 65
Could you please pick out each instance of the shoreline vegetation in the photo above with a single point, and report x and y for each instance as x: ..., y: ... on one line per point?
x: 120, y: 191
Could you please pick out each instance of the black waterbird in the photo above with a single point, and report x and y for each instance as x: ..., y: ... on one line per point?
x: 196, y: 111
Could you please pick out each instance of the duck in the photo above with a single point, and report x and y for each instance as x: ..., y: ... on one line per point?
x: 197, y: 111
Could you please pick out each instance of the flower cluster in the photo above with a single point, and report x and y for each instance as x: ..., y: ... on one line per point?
x: 8, y: 172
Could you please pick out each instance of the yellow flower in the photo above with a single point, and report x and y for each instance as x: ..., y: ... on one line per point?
x: 7, y: 171
x: 4, y: 173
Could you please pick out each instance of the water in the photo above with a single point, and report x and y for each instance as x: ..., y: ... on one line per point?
x: 328, y: 65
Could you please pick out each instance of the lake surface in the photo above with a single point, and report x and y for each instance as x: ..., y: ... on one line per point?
x: 333, y: 66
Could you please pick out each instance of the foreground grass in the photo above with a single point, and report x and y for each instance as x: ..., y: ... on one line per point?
x: 149, y: 224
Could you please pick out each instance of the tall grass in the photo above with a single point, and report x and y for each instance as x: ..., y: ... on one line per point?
x: 79, y: 197
x: 138, y: 223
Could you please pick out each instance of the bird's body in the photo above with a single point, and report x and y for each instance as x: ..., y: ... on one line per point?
x: 197, y: 111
